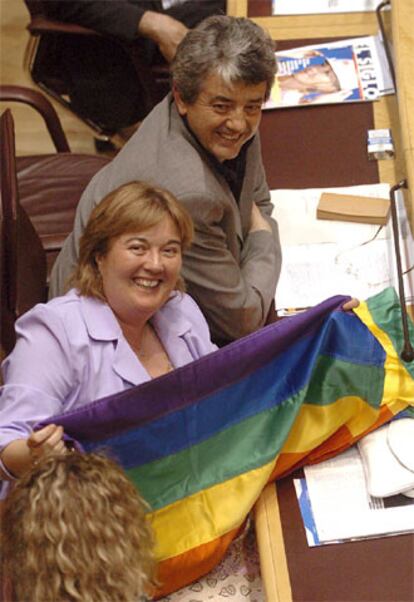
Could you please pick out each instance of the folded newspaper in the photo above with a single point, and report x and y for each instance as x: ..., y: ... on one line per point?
x: 352, y: 70
x: 336, y: 505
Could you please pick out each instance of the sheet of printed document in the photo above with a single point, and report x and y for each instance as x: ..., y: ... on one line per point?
x: 324, y: 258
x: 307, y: 7
x: 342, y: 508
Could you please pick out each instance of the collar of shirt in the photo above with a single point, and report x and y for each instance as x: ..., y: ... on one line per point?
x: 169, y: 322
x: 102, y: 324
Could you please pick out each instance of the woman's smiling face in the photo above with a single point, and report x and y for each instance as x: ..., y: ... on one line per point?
x: 140, y: 270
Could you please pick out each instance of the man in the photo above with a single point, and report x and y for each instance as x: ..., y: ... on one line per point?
x: 201, y: 143
x: 101, y: 79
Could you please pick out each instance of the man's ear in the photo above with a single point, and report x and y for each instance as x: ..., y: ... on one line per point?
x: 181, y: 105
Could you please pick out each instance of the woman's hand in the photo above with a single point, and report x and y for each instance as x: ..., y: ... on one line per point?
x: 47, y: 440
x: 351, y: 304
x: 20, y: 455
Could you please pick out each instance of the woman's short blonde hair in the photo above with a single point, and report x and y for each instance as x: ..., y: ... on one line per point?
x: 74, y: 529
x: 133, y: 207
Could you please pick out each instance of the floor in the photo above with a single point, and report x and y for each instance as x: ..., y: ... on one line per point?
x: 236, y: 578
x: 31, y: 135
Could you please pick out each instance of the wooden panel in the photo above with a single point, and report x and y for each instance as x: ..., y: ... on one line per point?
x: 307, y: 26
x: 386, y: 116
x: 403, y: 43
x: 237, y: 8
x: 310, y: 147
x: 269, y: 533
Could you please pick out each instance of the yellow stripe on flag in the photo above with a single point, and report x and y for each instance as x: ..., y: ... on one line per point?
x: 398, y: 384
x: 208, y: 514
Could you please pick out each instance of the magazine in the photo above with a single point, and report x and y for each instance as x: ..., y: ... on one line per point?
x: 352, y: 70
x: 305, y: 7
x: 336, y: 506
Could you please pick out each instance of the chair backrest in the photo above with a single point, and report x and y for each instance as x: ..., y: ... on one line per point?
x: 22, y: 258
x: 41, y: 23
x: 35, y: 7
x: 44, y: 107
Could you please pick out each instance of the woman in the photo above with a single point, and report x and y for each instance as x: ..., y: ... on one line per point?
x: 125, y: 320
x: 52, y: 526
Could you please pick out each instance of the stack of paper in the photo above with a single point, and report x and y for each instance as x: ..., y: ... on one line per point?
x: 336, y: 505
x: 325, y: 258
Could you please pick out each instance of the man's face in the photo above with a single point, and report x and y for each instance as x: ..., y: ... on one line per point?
x: 224, y: 116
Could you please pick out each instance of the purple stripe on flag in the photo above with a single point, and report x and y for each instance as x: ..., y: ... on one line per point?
x: 113, y: 414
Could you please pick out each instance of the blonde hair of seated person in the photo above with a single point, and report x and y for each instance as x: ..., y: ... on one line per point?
x: 74, y: 529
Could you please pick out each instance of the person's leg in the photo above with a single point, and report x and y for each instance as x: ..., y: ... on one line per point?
x: 191, y: 12
x: 100, y: 76
x: 102, y: 82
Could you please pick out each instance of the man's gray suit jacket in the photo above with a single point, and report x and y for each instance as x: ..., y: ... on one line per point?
x: 230, y: 273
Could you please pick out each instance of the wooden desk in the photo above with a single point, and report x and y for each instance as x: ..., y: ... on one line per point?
x: 371, y: 570
x: 403, y: 38
x: 392, y: 112
x: 376, y: 570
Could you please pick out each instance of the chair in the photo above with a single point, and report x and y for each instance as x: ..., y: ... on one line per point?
x: 50, y: 186
x: 22, y: 257
x: 49, y: 39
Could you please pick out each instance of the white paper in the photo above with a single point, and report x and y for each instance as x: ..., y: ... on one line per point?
x: 303, y: 7
x: 323, y: 258
x: 343, y: 509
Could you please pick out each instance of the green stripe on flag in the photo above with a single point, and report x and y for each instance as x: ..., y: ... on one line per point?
x: 386, y: 312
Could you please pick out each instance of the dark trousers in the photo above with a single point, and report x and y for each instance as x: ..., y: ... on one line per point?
x: 99, y: 74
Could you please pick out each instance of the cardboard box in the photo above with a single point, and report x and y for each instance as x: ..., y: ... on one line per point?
x: 350, y: 208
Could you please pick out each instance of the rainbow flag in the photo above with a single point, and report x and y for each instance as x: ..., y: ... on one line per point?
x: 201, y: 442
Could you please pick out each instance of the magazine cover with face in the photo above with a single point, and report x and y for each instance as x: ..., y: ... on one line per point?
x: 350, y: 70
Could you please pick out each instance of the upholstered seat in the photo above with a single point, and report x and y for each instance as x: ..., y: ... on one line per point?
x: 51, y: 185
x: 39, y: 196
x: 22, y: 257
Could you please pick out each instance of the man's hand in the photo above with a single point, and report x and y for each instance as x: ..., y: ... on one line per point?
x: 351, y: 304
x: 45, y: 441
x: 165, y: 31
x: 258, y: 222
